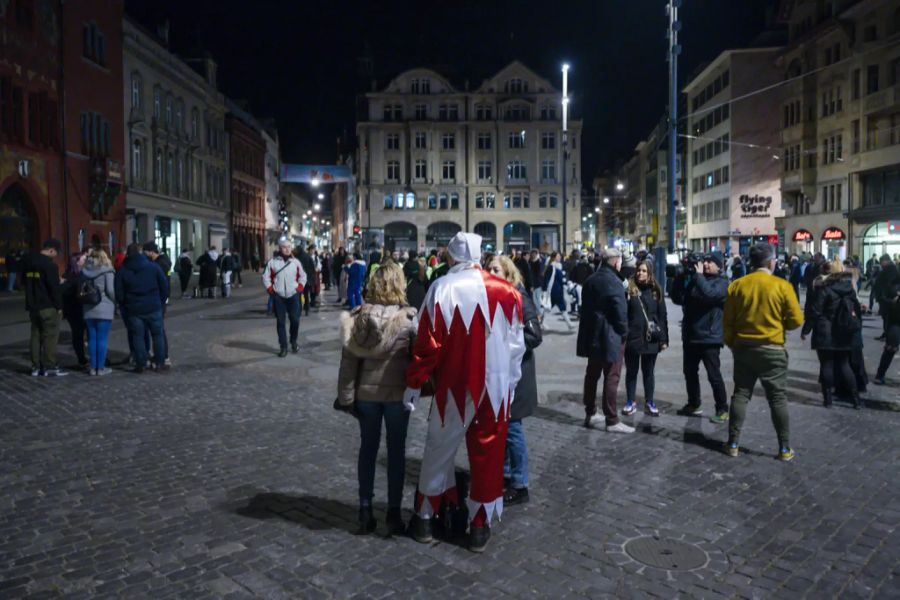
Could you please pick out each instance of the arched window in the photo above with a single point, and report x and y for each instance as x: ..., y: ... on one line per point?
x: 137, y: 93
x: 410, y: 200
x: 170, y: 170
x: 157, y: 102
x: 388, y: 202
x: 179, y: 115
x: 443, y: 201
x: 158, y: 167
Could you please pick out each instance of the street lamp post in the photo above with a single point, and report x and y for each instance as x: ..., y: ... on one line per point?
x: 674, y: 51
x: 565, y: 151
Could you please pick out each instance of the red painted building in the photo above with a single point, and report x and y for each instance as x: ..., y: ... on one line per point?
x: 60, y: 174
x: 31, y: 175
x: 248, y: 184
x: 94, y: 124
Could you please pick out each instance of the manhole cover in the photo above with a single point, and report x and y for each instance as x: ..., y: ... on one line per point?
x: 664, y: 553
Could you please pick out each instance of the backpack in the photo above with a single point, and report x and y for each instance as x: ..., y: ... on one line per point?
x: 845, y: 324
x: 88, y: 293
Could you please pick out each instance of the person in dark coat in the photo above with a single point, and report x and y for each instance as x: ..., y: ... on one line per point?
x: 646, y: 305
x: 142, y: 291
x: 892, y: 342
x: 185, y: 270
x: 43, y: 301
x: 525, y: 399
x: 602, y: 329
x: 888, y: 278
x: 834, y: 301
x: 702, y: 294
x: 416, y: 282
x: 309, y: 267
x: 208, y: 272
x: 72, y: 309
x: 521, y: 262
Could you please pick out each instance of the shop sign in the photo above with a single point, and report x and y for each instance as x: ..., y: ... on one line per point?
x: 833, y: 233
x: 755, y: 207
x: 802, y: 235
x: 893, y: 227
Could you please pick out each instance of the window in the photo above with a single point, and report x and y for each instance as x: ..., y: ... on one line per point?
x: 392, y: 141
x: 442, y: 201
x: 484, y: 170
x: 517, y: 139
x: 484, y: 140
x: 870, y: 33
x: 548, y: 112
x: 516, y: 86
x: 421, y: 140
x: 479, y: 200
x: 137, y: 161
x: 170, y: 171
x: 516, y: 112
x: 872, y: 79
x: 393, y: 112
x: 448, y: 170
x: 410, y: 200
x: 136, y: 93
x: 490, y: 201
x: 393, y: 170
x: 93, y: 43
x: 398, y: 201
x: 516, y: 171
x: 854, y: 136
x: 454, y: 201
x: 432, y: 201
x: 388, y: 201
x: 169, y: 111
x: 548, y: 171
x: 483, y: 112
x: 420, y: 86
x: 554, y: 201
x: 421, y: 111
x: 195, y: 124
x: 421, y: 170
x: 179, y: 115
x: 448, y: 112
x: 548, y: 140
x: 448, y: 141
x: 855, y: 84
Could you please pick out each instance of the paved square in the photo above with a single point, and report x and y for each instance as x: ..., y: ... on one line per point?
x: 232, y: 477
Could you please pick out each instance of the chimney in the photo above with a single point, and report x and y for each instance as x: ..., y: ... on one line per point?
x: 162, y: 30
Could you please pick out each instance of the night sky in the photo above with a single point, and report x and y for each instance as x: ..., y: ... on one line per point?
x: 296, y: 60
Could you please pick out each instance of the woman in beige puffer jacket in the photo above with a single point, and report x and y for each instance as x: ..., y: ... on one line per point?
x: 377, y: 340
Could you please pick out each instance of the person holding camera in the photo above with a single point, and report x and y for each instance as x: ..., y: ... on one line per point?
x: 648, y: 335
x: 701, y: 290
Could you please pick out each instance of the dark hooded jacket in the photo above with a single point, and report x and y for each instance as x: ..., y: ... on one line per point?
x: 141, y: 287
x: 703, y: 298
x: 526, y: 396
x: 41, y: 282
x: 830, y: 291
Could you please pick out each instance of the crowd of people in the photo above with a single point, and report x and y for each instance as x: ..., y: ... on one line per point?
x: 462, y: 327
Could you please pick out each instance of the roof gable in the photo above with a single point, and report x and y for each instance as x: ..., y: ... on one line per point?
x: 516, y: 70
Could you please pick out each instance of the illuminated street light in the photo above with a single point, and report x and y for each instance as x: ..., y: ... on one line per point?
x: 597, y: 209
x: 321, y: 196
x: 620, y: 186
x: 315, y: 182
x: 316, y: 206
x: 606, y: 200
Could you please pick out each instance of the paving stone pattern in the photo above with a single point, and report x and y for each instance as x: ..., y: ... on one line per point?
x: 232, y: 477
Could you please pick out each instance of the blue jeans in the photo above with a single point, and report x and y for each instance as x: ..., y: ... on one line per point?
x: 10, y: 282
x: 396, y: 419
x: 137, y: 324
x: 354, y: 298
x: 98, y: 333
x: 290, y: 308
x: 516, y: 465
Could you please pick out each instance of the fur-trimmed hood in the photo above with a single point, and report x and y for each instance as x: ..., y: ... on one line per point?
x: 375, y: 330
x: 832, y: 278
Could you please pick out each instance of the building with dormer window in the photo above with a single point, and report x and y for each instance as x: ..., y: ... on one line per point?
x: 434, y: 160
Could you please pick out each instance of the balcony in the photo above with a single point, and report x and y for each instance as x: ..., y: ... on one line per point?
x: 884, y: 101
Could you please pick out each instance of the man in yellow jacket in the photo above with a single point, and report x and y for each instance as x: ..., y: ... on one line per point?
x: 759, y: 309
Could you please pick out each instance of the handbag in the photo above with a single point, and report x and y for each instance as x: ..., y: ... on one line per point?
x: 653, y: 332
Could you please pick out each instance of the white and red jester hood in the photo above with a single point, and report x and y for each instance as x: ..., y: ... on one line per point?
x: 470, y: 339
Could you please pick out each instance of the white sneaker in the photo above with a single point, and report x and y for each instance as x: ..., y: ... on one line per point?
x: 619, y: 428
x: 594, y: 421
x: 103, y: 371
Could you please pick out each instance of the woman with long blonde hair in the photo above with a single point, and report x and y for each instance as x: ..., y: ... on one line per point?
x: 377, y: 340
x: 98, y: 270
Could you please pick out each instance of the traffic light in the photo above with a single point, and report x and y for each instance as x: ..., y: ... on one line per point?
x: 356, y: 229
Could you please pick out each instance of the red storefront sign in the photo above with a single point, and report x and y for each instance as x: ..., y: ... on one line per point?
x: 802, y: 235
x: 833, y: 233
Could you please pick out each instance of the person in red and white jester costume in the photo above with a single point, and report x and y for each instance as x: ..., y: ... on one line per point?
x: 470, y: 343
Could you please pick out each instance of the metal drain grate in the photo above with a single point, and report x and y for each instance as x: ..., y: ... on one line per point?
x: 666, y: 553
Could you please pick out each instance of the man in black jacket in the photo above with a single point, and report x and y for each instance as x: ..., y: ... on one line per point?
x: 702, y: 294
x: 309, y: 267
x: 887, y: 280
x: 141, y: 292
x: 43, y: 301
x: 602, y: 329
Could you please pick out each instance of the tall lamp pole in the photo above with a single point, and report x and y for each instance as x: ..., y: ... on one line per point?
x: 674, y: 51
x: 565, y: 152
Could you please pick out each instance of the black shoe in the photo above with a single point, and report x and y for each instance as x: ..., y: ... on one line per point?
x: 880, y: 338
x: 295, y: 348
x: 420, y: 529
x: 690, y: 410
x: 282, y: 353
x: 367, y: 522
x: 478, y: 538
x: 827, y: 397
x: 515, y: 496
x: 394, y: 522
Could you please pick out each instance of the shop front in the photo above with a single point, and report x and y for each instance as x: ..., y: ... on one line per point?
x: 834, y: 243
x: 802, y: 242
x: 400, y: 236
x: 488, y: 233
x: 881, y: 238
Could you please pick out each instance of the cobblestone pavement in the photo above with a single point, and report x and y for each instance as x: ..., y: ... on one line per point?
x: 232, y: 477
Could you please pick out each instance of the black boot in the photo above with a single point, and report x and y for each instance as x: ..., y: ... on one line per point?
x: 394, y: 522
x: 883, y: 365
x: 478, y: 538
x: 828, y: 396
x: 367, y: 522
x: 420, y: 529
x: 857, y: 402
